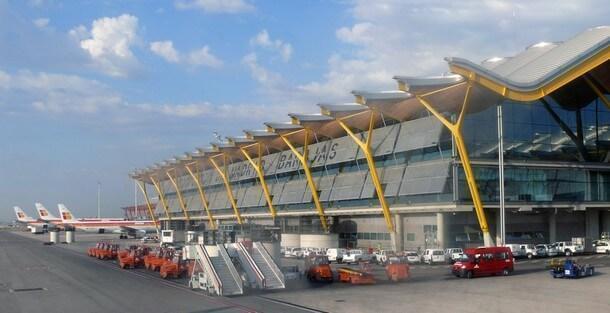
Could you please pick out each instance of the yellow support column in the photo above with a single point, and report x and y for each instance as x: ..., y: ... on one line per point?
x: 204, y: 198
x: 598, y: 92
x: 456, y: 131
x: 148, y: 204
x: 180, y: 198
x: 258, y: 167
x: 161, y: 198
x: 223, y: 174
x: 368, y: 153
x: 304, y: 159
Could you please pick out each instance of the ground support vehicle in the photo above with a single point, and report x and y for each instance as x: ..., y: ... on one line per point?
x: 396, y: 270
x: 132, y: 258
x: 317, y: 268
x: 571, y: 269
x: 109, y: 252
x: 483, y: 262
x: 155, y: 261
x: 355, y: 277
x: 92, y: 251
x: 173, y: 268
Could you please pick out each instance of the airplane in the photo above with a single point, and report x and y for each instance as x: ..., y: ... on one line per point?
x: 45, y: 215
x: 33, y: 224
x: 102, y: 225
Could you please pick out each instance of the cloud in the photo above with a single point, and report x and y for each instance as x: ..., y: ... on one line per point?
x: 165, y: 49
x: 203, y: 57
x: 393, y: 37
x: 195, y: 58
x: 262, y: 39
x: 215, y: 6
x: 41, y: 22
x: 55, y: 93
x: 109, y: 44
x: 259, y: 73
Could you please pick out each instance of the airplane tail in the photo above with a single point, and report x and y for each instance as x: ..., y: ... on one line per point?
x: 44, y: 213
x: 21, y: 216
x: 66, y: 215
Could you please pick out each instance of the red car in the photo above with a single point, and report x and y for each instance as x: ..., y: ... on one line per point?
x: 484, y: 262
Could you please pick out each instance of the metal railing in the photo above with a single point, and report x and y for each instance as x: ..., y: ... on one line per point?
x: 222, y: 252
x: 270, y: 262
x: 206, y: 263
x: 243, y: 252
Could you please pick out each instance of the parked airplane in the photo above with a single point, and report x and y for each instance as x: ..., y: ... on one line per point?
x: 45, y: 215
x: 103, y: 225
x: 32, y: 223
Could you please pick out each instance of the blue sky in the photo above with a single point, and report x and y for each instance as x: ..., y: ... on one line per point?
x: 90, y: 90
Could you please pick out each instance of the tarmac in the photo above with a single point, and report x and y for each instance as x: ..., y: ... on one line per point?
x: 62, y: 278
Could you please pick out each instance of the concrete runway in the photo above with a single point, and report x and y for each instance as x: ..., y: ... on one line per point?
x: 37, y: 278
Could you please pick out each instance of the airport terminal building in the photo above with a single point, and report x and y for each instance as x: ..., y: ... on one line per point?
x: 419, y: 166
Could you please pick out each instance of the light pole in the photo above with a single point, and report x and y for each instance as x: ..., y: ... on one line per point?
x: 502, y: 225
x: 99, y: 199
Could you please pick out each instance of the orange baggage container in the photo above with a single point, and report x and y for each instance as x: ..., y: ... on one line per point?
x: 355, y: 277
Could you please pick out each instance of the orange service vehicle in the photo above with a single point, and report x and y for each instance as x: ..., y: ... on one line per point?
x: 397, y: 270
x: 109, y: 252
x: 133, y: 257
x: 154, y: 263
x: 356, y: 277
x: 93, y: 250
x: 173, y: 267
x: 318, y: 268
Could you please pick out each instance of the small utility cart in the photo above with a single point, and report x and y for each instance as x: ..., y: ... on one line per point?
x: 571, y: 269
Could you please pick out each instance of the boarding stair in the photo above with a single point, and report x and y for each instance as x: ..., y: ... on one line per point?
x: 221, y: 275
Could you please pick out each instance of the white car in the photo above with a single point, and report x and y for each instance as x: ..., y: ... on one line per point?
x: 412, y: 257
x: 433, y: 256
x: 294, y: 252
x: 382, y: 256
x: 355, y: 256
x: 335, y: 254
x: 516, y: 250
x: 569, y: 248
x: 453, y: 254
x: 602, y: 246
x: 528, y: 250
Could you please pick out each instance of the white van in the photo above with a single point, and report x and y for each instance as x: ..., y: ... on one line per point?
x: 335, y: 254
x: 516, y: 250
x: 434, y: 256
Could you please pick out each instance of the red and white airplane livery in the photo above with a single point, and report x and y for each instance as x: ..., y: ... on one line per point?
x: 102, y: 225
x: 27, y: 220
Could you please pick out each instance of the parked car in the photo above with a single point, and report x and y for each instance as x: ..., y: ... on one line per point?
x: 294, y: 252
x: 541, y: 251
x: 433, y: 256
x: 569, y: 248
x: 311, y: 252
x: 528, y: 250
x: 452, y: 254
x: 483, y: 262
x: 149, y: 239
x: 602, y: 246
x: 515, y: 249
x: 412, y: 257
x: 356, y: 256
x: 335, y: 254
x: 382, y: 256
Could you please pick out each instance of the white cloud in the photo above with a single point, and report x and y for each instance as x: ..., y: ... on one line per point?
x: 57, y: 93
x: 165, y: 49
x: 109, y: 43
x: 41, y: 22
x: 393, y: 37
x: 215, y: 6
x: 198, y: 57
x: 203, y: 57
x: 262, y: 39
x: 360, y: 33
x: 261, y: 74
